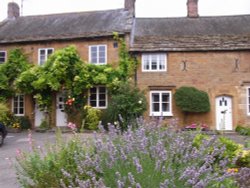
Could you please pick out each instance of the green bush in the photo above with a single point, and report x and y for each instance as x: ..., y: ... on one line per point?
x: 4, y: 111
x: 92, y: 118
x: 126, y: 104
x: 23, y: 121
x: 244, y: 159
x: 243, y: 130
x: 47, y: 170
x: 232, y: 149
x: 190, y: 99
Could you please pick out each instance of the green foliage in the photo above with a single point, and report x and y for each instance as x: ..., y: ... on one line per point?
x: 232, y: 150
x: 23, y: 121
x: 127, y: 64
x: 244, y: 159
x: 243, y: 130
x: 198, y: 139
x: 4, y: 111
x: 10, y: 71
x: 47, y: 171
x: 91, y: 118
x: 190, y: 99
x: 126, y: 102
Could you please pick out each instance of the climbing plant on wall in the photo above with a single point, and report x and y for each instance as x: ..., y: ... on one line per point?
x: 10, y: 70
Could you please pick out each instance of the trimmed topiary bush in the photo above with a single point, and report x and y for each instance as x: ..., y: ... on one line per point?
x: 190, y: 99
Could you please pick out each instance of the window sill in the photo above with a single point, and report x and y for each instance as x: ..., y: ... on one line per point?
x: 161, y: 115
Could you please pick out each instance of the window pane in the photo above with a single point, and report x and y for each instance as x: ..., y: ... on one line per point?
x: 156, y: 107
x: 93, y: 103
x: 42, y: 52
x: 102, y: 60
x: 102, y: 89
x: 93, y: 97
x: 155, y: 97
x: 102, y: 97
x: 146, y: 62
x: 161, y: 62
x: 50, y: 51
x: 2, y: 57
x: 102, y: 48
x: 154, y: 62
x: 93, y: 90
x: 102, y: 103
x: 165, y: 97
x: 165, y: 107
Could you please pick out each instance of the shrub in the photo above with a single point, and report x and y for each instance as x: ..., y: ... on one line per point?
x: 37, y: 169
x: 4, y: 111
x: 145, y: 157
x: 243, y: 130
x: 190, y: 99
x: 232, y: 149
x: 92, y: 118
x: 244, y: 159
x: 23, y: 121
x: 126, y: 104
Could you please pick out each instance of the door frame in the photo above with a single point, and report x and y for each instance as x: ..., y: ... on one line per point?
x: 228, y: 112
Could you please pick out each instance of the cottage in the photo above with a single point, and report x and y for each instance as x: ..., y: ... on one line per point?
x: 209, y: 53
x: 39, y: 36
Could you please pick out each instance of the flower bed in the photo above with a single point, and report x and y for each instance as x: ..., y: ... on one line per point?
x: 150, y: 156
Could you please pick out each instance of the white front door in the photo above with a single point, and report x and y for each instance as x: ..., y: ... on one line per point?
x: 224, y: 113
x: 61, y: 117
x: 39, y: 116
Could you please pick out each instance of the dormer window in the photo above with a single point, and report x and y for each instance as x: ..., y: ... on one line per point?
x: 3, y: 56
x: 154, y: 62
x: 43, y: 55
x: 98, y: 54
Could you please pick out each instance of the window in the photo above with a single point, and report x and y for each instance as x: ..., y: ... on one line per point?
x: 248, y: 101
x: 44, y: 54
x: 154, y: 62
x: 160, y: 103
x: 98, y: 54
x: 98, y: 97
x: 2, y: 57
x: 18, y: 105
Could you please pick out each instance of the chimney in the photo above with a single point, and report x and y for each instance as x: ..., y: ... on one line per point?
x: 13, y: 10
x: 130, y: 6
x: 192, y: 8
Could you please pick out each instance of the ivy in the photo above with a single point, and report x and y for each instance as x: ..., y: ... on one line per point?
x: 10, y: 71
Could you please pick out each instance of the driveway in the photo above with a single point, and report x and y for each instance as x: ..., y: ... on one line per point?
x: 13, y: 142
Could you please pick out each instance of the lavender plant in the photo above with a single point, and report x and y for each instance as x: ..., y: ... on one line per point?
x: 150, y: 156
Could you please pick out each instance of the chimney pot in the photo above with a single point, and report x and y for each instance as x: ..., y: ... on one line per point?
x: 130, y: 6
x: 192, y: 8
x: 13, y: 10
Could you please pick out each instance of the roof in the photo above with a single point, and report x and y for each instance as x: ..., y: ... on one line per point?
x: 65, y: 26
x: 191, y: 34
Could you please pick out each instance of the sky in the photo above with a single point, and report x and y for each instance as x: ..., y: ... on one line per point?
x: 144, y: 8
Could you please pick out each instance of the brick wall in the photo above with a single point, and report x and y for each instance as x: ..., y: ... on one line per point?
x: 217, y: 73
x: 31, y: 50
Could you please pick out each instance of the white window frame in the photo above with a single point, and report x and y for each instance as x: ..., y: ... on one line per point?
x: 161, y: 113
x: 248, y: 100
x: 98, y: 58
x: 18, y: 105
x: 5, y: 56
x: 97, y: 98
x: 46, y: 54
x: 148, y: 56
